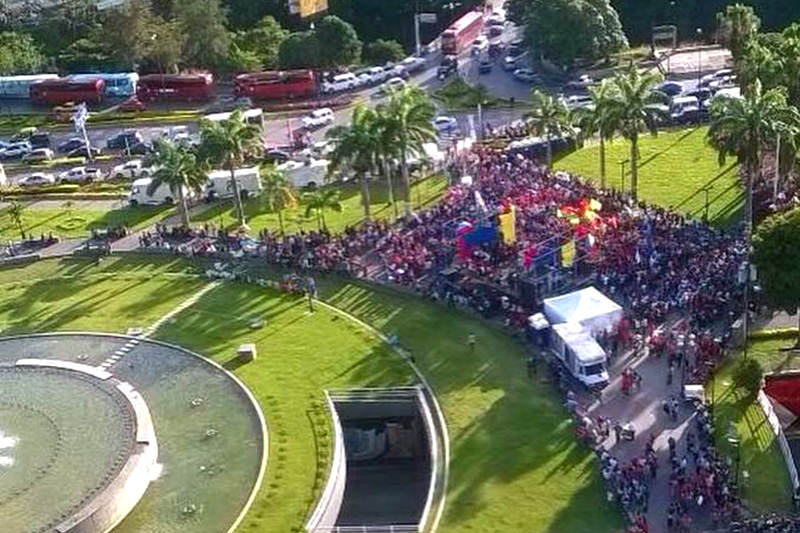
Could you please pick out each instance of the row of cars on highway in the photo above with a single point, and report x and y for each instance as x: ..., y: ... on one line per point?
x: 84, y: 174
x: 372, y: 76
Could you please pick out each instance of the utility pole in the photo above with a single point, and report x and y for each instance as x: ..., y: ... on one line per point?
x: 777, y: 169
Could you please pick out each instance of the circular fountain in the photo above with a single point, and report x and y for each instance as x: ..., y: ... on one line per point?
x: 58, y: 419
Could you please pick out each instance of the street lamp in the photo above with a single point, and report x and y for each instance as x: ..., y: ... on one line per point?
x: 699, y: 32
x: 734, y: 440
x: 747, y: 275
x: 706, y: 190
x: 710, y: 367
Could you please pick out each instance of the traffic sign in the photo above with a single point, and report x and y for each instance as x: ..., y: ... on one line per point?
x: 427, y: 18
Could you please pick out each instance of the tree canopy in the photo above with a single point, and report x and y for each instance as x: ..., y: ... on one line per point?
x: 382, y: 51
x: 19, y: 54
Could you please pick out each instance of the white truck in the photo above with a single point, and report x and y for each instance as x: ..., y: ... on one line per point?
x: 310, y: 173
x: 161, y: 196
x: 219, y: 184
x: 575, y: 346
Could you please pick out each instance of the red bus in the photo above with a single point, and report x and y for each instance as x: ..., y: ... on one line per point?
x: 63, y: 90
x: 176, y: 87
x: 461, y: 33
x: 276, y: 84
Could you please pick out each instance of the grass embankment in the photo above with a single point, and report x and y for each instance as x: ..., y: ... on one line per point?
x: 767, y: 487
x: 515, y: 465
x: 423, y: 193
x: 675, y: 168
x: 68, y: 221
x: 458, y: 95
x: 13, y: 123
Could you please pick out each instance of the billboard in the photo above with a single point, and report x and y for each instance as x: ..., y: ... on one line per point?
x: 306, y: 8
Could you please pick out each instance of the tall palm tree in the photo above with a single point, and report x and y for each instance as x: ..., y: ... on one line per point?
x: 637, y: 108
x: 356, y: 146
x: 319, y: 201
x: 409, y: 119
x: 277, y: 192
x: 598, y: 118
x: 548, y: 118
x: 230, y: 143
x: 744, y: 127
x: 177, y: 168
x: 387, y: 150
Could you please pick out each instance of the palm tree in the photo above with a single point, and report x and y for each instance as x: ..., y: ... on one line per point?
x: 318, y: 201
x: 549, y: 118
x: 409, y: 122
x: 637, y: 108
x: 356, y: 146
x: 744, y: 127
x: 15, y: 212
x: 277, y: 192
x: 387, y: 150
x: 176, y: 167
x: 230, y: 143
x: 598, y: 118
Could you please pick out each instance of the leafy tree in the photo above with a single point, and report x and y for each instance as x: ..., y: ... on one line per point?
x: 15, y: 211
x: 744, y: 127
x: 166, y: 46
x: 19, y: 54
x: 356, y: 146
x: 408, y: 120
x: 243, y: 13
x: 263, y: 41
x: 127, y: 33
x: 337, y: 43
x: 318, y: 202
x: 748, y: 375
x: 60, y: 25
x: 230, y: 143
x: 776, y: 252
x: 598, y: 119
x: 204, y: 21
x: 548, y: 118
x: 277, y: 192
x: 242, y: 59
x: 637, y: 108
x: 298, y: 50
x: 383, y: 51
x: 177, y: 168
x: 736, y: 26
x: 565, y: 30
x: 85, y: 55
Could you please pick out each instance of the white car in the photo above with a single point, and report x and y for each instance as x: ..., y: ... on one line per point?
x: 480, y: 45
x: 376, y: 75
x: 79, y: 175
x: 37, y: 180
x: 445, y: 124
x: 318, y: 119
x: 583, y: 82
x: 16, y: 150
x: 496, y: 19
x: 39, y: 155
x: 526, y: 75
x: 132, y: 169
x: 393, y: 85
x: 340, y: 82
x: 412, y: 64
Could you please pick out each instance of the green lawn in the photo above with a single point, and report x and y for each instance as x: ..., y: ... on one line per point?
x: 768, y: 486
x: 69, y: 221
x: 675, y: 167
x: 515, y: 465
x: 423, y: 192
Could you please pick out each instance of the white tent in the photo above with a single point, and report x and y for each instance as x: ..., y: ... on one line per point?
x: 587, y: 307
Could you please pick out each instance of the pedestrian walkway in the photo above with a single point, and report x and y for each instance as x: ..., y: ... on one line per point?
x: 150, y: 330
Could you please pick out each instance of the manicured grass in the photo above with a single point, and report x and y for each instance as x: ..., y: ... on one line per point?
x: 458, y: 95
x: 675, y: 167
x: 515, y: 465
x: 767, y: 488
x: 423, y: 193
x: 78, y: 222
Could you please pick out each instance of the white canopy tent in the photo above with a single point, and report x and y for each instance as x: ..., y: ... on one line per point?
x: 588, y: 307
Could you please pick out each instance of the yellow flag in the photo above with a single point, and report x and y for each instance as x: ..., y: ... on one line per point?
x: 595, y: 205
x: 568, y: 253
x: 508, y: 226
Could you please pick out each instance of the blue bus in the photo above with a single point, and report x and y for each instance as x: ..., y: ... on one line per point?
x: 119, y: 84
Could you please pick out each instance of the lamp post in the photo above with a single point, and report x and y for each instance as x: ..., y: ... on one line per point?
x: 622, y: 165
x: 747, y: 275
x: 710, y: 367
x: 707, y: 189
x: 734, y: 440
x: 699, y: 32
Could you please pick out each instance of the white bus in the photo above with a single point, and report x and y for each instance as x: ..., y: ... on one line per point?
x: 20, y: 86
x: 251, y: 116
x: 118, y: 84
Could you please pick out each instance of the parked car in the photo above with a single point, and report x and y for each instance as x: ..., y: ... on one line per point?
x: 393, y: 85
x: 395, y: 71
x: 526, y: 75
x: 123, y: 140
x: 577, y: 100
x: 670, y: 88
x: 132, y: 169
x: 485, y: 66
x: 40, y: 140
x: 16, y: 150
x: 38, y: 155
x: 24, y: 134
x: 581, y: 83
x: 340, y: 82
x: 80, y: 175
x: 71, y: 144
x: 512, y: 61
x: 445, y: 124
x: 413, y: 64
x: 132, y: 105
x: 276, y: 156
x: 318, y: 118
x: 84, y: 151
x: 37, y: 180
x: 140, y: 149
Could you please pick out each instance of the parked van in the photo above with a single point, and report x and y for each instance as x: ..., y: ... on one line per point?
x: 340, y: 82
x: 138, y: 194
x: 219, y: 184
x: 310, y: 173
